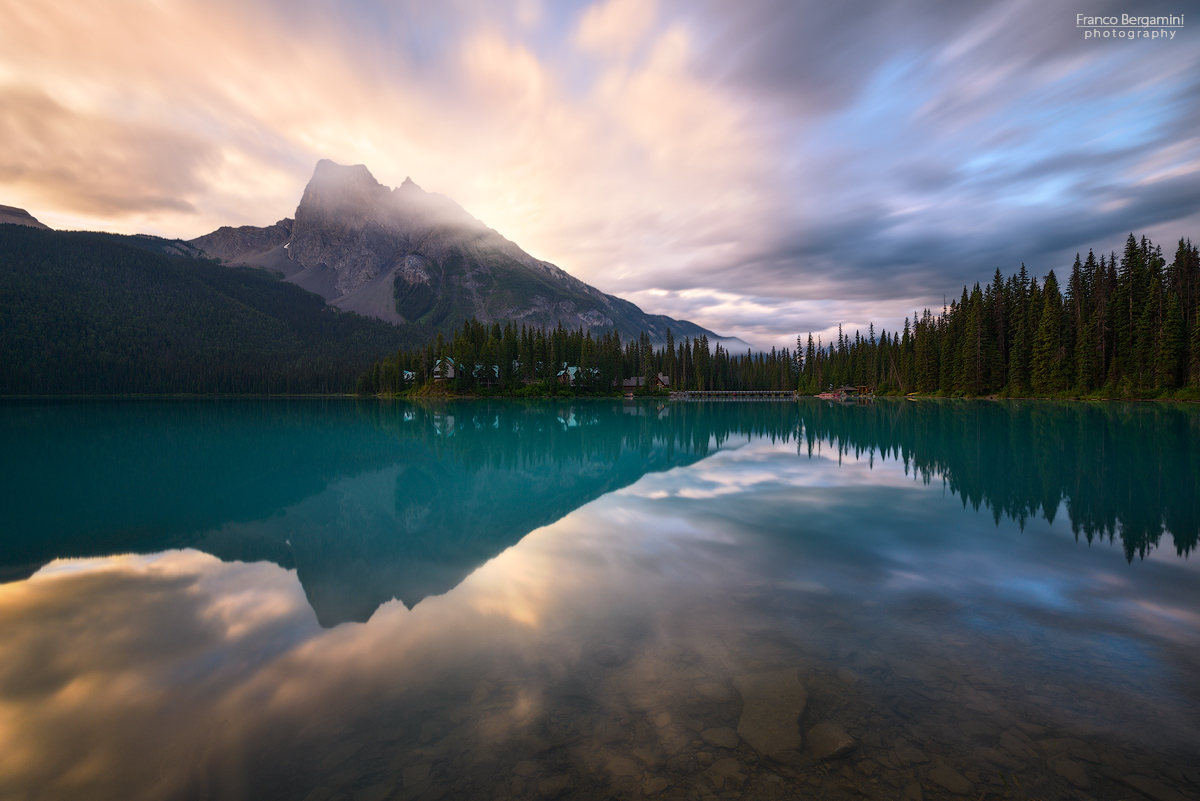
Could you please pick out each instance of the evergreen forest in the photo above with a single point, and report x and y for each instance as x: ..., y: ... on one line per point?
x: 529, y: 360
x: 1126, y: 326
x: 96, y: 314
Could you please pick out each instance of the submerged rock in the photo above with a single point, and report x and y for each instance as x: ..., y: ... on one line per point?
x: 655, y: 785
x: 713, y: 691
x: 1153, y: 788
x: 554, y: 786
x: 848, y: 676
x: 1073, y: 772
x: 609, y: 731
x: 772, y: 705
x: 721, y: 738
x: 726, y: 767
x: 793, y: 759
x: 623, y: 766
x: 1069, y: 745
x: 829, y: 741
x: 337, y: 756
x: 321, y: 793
x: 727, y: 770
x: 649, y: 757
x: 376, y: 792
x: 994, y: 757
x: 482, y: 690
x: 1012, y: 742
x: 951, y: 779
x: 415, y: 774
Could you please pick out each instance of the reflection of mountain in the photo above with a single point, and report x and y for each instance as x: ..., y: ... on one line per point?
x: 370, y: 501
x: 1127, y: 470
x: 419, y: 527
x: 367, y: 501
x: 96, y: 478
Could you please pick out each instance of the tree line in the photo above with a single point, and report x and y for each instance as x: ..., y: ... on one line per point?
x: 1121, y: 327
x: 1125, y: 326
x: 85, y: 313
x: 512, y: 358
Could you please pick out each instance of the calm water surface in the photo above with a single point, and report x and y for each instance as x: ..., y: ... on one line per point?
x: 387, y: 600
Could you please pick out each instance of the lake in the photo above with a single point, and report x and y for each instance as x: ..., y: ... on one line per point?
x: 389, y: 600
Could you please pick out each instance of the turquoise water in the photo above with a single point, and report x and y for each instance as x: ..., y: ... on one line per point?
x: 334, y: 599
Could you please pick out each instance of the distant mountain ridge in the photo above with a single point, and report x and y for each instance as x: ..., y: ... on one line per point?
x: 405, y: 255
x: 11, y: 215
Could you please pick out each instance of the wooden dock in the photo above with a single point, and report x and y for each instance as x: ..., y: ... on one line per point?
x: 734, y: 395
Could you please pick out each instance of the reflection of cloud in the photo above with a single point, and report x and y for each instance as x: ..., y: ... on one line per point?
x: 162, y: 673
x: 516, y: 585
x: 1169, y: 621
x: 103, y: 659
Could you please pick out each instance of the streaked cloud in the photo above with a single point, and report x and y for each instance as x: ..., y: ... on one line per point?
x: 793, y: 162
x: 615, y: 26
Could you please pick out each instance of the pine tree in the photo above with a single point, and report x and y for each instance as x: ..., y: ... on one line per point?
x: 1194, y: 353
x: 1086, y: 372
x: 1170, y: 352
x: 1018, y: 354
x: 997, y: 316
x: 1047, y: 372
x: 1107, y: 311
x: 1123, y: 369
x: 925, y: 354
x: 972, y: 372
x: 1074, y: 317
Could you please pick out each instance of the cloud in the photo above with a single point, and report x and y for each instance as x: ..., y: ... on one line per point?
x: 614, y: 26
x: 798, y: 156
x: 123, y: 168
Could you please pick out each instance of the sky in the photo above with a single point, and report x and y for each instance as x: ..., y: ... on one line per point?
x: 765, y: 169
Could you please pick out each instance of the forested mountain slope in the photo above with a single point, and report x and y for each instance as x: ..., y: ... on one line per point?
x: 87, y: 313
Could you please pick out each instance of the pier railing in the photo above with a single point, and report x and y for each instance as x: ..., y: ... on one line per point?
x: 738, y: 394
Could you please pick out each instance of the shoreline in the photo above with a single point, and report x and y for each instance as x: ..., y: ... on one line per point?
x: 670, y: 397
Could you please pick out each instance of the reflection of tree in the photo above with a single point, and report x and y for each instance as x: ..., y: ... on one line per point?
x: 1128, y: 470
x: 515, y: 435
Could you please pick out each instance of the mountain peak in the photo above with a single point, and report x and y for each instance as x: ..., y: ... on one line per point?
x: 339, y: 183
x: 14, y: 216
x: 407, y: 255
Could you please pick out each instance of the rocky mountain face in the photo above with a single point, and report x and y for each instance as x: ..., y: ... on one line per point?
x: 406, y: 255
x: 230, y: 244
x: 14, y: 216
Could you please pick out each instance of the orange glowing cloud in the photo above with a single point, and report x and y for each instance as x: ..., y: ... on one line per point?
x: 766, y: 151
x: 176, y: 118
